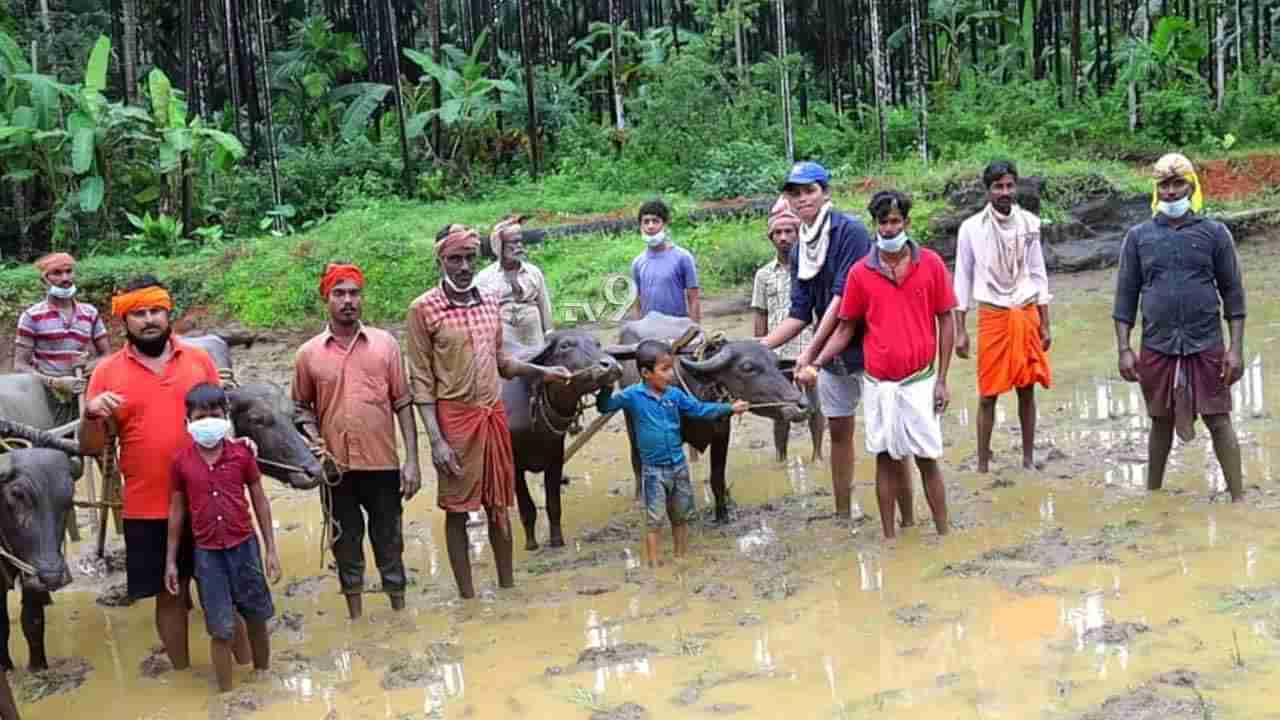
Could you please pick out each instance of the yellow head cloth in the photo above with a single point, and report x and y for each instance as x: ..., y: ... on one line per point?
x: 1176, y: 165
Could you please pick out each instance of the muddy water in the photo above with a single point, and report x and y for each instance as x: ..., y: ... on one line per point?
x: 1061, y: 592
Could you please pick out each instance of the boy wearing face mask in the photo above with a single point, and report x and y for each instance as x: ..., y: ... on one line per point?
x: 57, y: 334
x: 1183, y: 269
x: 665, y: 276
x: 210, y: 480
x: 902, y: 293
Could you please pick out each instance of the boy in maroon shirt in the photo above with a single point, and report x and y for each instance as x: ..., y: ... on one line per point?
x: 903, y: 294
x: 209, y: 481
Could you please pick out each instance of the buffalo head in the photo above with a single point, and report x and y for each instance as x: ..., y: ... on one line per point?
x: 36, y: 491
x: 259, y: 412
x: 749, y: 371
x: 581, y: 354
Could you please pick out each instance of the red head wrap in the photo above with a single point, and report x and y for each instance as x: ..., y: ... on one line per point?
x: 55, y: 261
x: 335, y: 273
x: 459, y: 236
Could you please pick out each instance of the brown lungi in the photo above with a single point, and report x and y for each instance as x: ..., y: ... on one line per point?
x: 1199, y: 391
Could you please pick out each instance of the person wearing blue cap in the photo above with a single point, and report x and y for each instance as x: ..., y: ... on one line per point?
x: 830, y: 243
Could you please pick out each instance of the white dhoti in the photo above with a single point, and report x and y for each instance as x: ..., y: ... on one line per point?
x: 898, y: 417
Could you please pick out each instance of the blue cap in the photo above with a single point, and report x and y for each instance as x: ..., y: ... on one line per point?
x: 807, y: 173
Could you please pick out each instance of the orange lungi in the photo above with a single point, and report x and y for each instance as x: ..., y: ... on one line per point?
x: 1010, y: 354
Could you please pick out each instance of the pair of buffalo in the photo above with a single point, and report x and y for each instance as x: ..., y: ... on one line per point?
x: 37, y: 485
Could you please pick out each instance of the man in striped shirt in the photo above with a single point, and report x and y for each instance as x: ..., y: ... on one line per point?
x: 58, y: 334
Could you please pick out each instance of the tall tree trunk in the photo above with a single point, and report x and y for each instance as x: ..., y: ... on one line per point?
x: 393, y: 69
x: 526, y: 53
x: 1220, y: 65
x: 675, y: 26
x: 882, y: 81
x: 785, y: 90
x: 270, y: 129
x: 917, y: 72
x: 1144, y: 26
x: 188, y: 86
x: 231, y: 54
x: 740, y: 61
x: 1077, y: 61
x: 129, y: 51
x: 437, y: 54
x: 1056, y: 20
x: 615, y: 66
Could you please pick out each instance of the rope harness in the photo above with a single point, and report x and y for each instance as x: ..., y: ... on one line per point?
x: 552, y: 419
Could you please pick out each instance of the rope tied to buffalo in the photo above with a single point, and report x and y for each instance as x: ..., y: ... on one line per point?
x: 9, y: 444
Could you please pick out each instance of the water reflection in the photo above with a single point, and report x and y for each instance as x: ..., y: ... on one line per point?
x: 477, y: 534
x: 448, y: 685
x: 757, y: 539
x: 602, y: 634
x: 870, y: 574
x: 1089, y: 616
x: 1247, y: 395
x: 1046, y: 509
x: 763, y: 657
x: 1127, y: 475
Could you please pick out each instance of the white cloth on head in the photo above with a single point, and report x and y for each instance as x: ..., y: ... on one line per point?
x: 813, y: 243
x: 898, y: 417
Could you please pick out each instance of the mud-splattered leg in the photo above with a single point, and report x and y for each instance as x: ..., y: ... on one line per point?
x: 528, y: 511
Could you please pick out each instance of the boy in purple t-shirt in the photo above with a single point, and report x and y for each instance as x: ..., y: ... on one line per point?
x: 665, y: 275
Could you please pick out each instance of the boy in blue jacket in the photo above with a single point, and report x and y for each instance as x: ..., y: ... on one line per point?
x: 655, y: 407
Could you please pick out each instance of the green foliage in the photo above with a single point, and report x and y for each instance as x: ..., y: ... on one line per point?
x: 739, y: 168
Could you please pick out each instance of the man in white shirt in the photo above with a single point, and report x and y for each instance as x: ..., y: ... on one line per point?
x: 524, y: 302
x: 1000, y: 269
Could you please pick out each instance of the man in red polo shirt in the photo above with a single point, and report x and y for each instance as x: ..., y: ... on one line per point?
x: 142, y: 390
x: 902, y: 292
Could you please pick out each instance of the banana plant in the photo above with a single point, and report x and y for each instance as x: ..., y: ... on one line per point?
x: 467, y: 106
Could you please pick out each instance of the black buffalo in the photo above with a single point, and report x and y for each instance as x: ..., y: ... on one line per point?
x: 36, y: 490
x: 738, y: 370
x: 539, y: 415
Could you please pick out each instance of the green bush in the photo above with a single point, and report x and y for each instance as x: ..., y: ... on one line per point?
x: 739, y: 168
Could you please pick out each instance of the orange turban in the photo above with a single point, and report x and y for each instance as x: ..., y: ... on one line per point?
x: 459, y: 237
x: 55, y: 261
x: 147, y: 297
x: 335, y: 273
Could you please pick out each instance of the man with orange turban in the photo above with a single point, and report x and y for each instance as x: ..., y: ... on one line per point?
x: 141, y: 390
x: 58, y: 335
x: 1181, y: 269
x: 349, y: 389
x: 771, y: 301
x: 456, y: 358
x: 1000, y: 268
x: 521, y: 289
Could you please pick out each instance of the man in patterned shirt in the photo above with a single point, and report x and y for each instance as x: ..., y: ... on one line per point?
x: 455, y: 359
x: 58, y: 334
x: 771, y: 300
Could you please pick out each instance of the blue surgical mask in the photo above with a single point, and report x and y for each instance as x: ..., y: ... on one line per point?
x: 1175, y: 209
x: 891, y: 244
x: 62, y: 293
x: 655, y: 240
x: 208, y: 432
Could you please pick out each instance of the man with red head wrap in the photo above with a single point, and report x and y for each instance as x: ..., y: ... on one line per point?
x: 58, y: 334
x: 349, y: 389
x: 455, y: 360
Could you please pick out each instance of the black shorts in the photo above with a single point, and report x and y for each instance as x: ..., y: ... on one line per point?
x: 145, y: 545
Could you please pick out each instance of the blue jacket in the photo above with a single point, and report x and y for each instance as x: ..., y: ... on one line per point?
x: 849, y: 243
x: 657, y: 419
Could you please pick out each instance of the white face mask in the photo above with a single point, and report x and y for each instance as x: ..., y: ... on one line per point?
x: 891, y: 244
x: 1175, y: 209
x: 208, y: 432
x: 655, y: 240
x: 449, y: 281
x: 62, y: 293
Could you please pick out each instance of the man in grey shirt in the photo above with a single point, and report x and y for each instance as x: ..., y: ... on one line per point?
x: 665, y: 275
x: 1183, y: 269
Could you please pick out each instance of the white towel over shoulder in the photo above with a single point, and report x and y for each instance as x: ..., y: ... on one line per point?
x: 899, y: 418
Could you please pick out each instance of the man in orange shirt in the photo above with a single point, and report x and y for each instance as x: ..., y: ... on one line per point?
x: 349, y: 389
x: 142, y: 389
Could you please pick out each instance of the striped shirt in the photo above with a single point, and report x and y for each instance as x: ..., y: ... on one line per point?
x: 55, y: 342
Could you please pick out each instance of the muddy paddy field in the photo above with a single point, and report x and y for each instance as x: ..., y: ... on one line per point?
x: 1068, y: 592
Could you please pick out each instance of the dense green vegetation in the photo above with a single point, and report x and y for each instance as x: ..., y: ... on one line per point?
x: 237, y: 145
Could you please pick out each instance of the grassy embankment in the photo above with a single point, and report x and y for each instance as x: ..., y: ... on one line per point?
x: 270, y: 282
